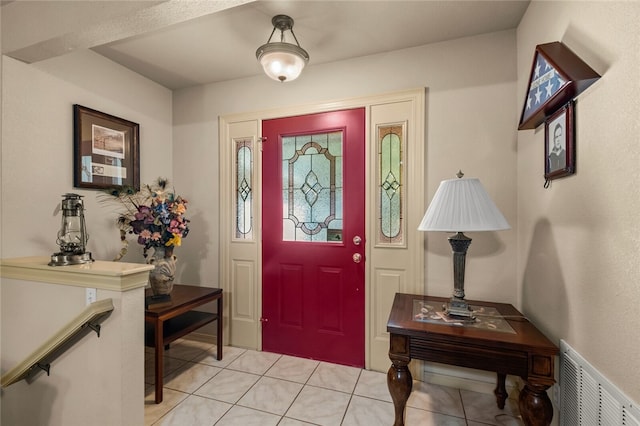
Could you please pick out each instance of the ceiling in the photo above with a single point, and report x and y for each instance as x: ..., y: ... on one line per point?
x: 181, y: 43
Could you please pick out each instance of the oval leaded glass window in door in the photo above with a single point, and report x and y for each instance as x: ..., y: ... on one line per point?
x: 312, y: 187
x: 244, y: 191
x: 391, y: 189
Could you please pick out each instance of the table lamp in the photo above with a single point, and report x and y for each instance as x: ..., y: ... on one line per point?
x: 461, y: 205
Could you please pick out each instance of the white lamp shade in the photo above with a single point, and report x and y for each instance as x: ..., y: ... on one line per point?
x: 282, y: 61
x: 462, y: 205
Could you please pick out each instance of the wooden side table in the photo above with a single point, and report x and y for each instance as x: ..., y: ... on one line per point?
x: 522, y: 351
x: 179, y: 319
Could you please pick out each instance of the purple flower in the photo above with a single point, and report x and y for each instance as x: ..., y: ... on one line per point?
x: 144, y: 214
x: 154, y: 214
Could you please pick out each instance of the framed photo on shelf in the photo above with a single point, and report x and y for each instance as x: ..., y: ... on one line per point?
x: 559, y: 140
x: 106, y: 150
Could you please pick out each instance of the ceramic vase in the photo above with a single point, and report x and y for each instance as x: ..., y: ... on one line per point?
x: 162, y: 276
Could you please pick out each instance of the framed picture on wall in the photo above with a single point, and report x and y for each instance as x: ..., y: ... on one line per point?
x: 559, y: 139
x: 106, y: 150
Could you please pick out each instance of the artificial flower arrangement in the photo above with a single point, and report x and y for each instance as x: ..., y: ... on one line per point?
x: 154, y: 214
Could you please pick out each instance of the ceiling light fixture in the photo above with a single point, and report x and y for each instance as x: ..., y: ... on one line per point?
x: 282, y: 61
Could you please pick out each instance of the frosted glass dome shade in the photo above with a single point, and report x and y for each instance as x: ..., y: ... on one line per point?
x: 282, y: 61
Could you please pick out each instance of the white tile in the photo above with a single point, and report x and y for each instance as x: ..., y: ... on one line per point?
x: 170, y: 365
x: 335, y: 377
x: 271, y: 395
x: 209, y: 357
x: 501, y: 420
x: 190, y: 377
x: 292, y: 422
x: 292, y: 369
x: 195, y: 411
x: 319, y: 406
x: 482, y: 408
x: 416, y: 417
x: 153, y: 411
x: 265, y: 386
x: 436, y: 398
x: 254, y: 362
x: 242, y: 416
x: 368, y: 412
x: 228, y: 386
x: 187, y: 349
x: 373, y: 385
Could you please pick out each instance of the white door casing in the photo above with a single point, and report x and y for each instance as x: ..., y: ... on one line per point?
x: 390, y: 268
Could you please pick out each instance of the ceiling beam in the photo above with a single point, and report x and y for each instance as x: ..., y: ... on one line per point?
x: 98, y: 32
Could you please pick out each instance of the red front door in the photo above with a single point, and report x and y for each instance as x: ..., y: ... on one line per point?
x: 313, y: 215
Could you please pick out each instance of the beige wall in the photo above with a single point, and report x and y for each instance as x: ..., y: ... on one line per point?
x: 37, y: 146
x: 37, y: 161
x: 577, y: 249
x: 578, y: 245
x: 471, y: 119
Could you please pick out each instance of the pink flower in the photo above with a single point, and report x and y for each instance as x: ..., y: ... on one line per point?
x: 176, y: 226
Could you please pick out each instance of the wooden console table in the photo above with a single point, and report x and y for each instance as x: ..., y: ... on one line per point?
x: 521, y: 350
x: 179, y: 319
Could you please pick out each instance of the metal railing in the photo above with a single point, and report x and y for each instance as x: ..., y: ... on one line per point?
x: 40, y: 359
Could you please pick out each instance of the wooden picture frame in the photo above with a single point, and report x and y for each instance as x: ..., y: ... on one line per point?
x: 559, y: 139
x: 106, y: 150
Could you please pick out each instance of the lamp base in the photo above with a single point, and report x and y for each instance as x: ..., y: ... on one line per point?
x: 459, y: 309
x: 64, y: 259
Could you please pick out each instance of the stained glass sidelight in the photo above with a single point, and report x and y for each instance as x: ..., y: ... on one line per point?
x: 244, y: 194
x: 312, y: 187
x: 390, y: 173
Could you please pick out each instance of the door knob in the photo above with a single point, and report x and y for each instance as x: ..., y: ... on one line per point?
x: 357, y: 257
x: 357, y: 240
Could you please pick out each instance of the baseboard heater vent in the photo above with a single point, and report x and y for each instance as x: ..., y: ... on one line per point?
x: 588, y: 398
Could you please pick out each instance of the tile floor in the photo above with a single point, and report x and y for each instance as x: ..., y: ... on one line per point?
x: 264, y: 389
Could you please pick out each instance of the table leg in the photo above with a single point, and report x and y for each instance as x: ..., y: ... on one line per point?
x: 400, y: 383
x: 219, y: 336
x: 501, y: 390
x: 535, y: 406
x: 399, y: 380
x: 159, y: 359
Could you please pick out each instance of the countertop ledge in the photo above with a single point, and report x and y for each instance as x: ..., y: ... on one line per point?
x: 117, y: 276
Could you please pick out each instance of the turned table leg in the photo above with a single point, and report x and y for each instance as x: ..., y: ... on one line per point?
x: 400, y: 384
x: 501, y: 390
x: 399, y: 380
x: 535, y: 406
